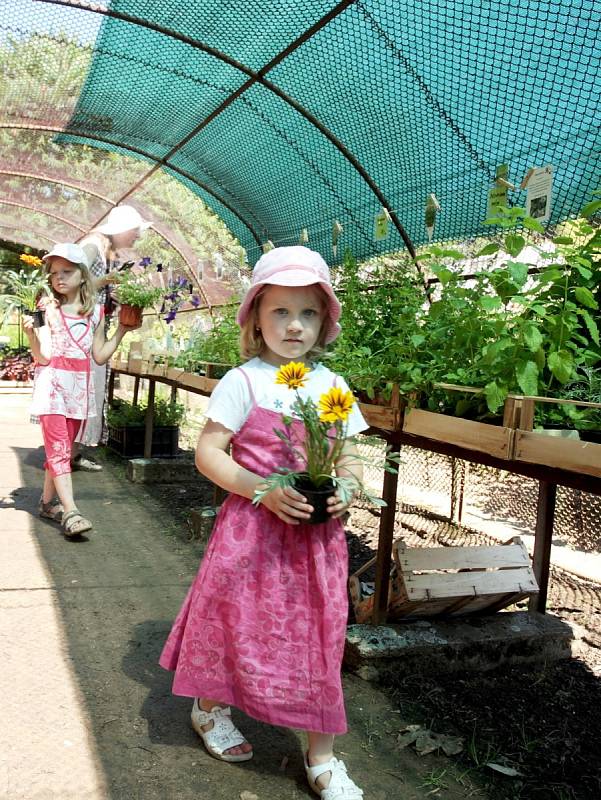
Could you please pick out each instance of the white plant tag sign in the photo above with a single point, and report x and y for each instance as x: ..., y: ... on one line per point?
x: 539, y: 188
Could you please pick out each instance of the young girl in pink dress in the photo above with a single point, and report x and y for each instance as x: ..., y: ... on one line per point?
x: 63, y: 394
x: 263, y: 625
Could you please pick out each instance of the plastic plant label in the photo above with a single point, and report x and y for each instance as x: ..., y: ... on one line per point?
x: 539, y: 187
x: 381, y: 229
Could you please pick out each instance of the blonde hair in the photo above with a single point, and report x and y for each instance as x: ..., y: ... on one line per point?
x: 87, y: 293
x: 252, y: 343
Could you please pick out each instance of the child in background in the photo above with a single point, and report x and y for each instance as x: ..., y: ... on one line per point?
x: 263, y: 625
x: 63, y: 394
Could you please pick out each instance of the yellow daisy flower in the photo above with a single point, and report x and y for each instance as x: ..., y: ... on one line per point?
x: 293, y: 374
x: 33, y: 261
x: 335, y: 405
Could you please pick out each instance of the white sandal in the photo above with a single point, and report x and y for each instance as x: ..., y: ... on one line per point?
x: 341, y: 787
x: 222, y: 736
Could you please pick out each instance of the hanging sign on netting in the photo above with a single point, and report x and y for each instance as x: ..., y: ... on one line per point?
x: 497, y: 196
x: 381, y: 226
x: 539, y: 185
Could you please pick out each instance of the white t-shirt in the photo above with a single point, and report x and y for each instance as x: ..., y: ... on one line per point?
x: 231, y: 401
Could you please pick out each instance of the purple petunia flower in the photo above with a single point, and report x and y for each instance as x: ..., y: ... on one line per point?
x: 170, y: 316
x: 195, y: 300
x: 144, y: 262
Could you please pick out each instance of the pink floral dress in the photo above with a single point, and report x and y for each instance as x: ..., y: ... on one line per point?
x: 64, y: 386
x: 263, y: 625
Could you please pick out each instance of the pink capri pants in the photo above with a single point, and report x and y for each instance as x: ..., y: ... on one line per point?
x: 59, y: 433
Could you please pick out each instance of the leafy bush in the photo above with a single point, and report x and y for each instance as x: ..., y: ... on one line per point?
x: 122, y: 414
x: 220, y: 345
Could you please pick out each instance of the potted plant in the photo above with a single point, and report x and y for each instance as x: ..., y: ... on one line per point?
x: 135, y: 291
x: 126, y: 428
x: 24, y: 292
x: 217, y: 347
x: 318, y: 449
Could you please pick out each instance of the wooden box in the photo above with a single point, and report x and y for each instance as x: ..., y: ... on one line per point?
x: 495, y: 440
x: 537, y: 448
x: 385, y: 416
x: 451, y: 581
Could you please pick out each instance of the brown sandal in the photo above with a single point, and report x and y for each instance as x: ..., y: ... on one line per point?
x: 53, y: 509
x: 73, y: 524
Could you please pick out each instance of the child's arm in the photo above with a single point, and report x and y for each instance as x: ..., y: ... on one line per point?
x: 40, y: 343
x: 349, y: 465
x: 103, y: 348
x: 213, y: 461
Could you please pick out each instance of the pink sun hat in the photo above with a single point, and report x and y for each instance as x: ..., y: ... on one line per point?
x: 293, y: 266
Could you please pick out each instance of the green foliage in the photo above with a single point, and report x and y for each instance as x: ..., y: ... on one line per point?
x: 136, y: 290
x: 22, y: 290
x: 122, y: 414
x: 510, y: 329
x: 219, y: 345
x: 586, y: 388
x: 382, y: 340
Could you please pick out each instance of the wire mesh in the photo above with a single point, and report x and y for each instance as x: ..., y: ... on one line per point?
x: 283, y: 117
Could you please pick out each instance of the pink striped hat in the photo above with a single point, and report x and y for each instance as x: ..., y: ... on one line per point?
x: 293, y: 266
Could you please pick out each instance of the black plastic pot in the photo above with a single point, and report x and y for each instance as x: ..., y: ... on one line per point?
x: 128, y: 441
x: 38, y: 317
x: 317, y: 497
x: 591, y: 436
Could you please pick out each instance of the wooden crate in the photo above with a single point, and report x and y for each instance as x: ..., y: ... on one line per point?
x: 495, y: 440
x: 386, y: 417
x: 537, y: 448
x: 451, y: 581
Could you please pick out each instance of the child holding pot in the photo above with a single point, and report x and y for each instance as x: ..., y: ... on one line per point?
x: 263, y: 625
x: 63, y: 394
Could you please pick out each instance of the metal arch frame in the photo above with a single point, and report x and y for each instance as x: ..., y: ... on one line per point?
x: 35, y: 210
x: 254, y: 78
x: 83, y: 190
x: 37, y: 232
x: 138, y: 151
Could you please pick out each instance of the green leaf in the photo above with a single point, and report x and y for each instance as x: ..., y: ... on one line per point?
x: 532, y: 336
x: 540, y: 359
x: 488, y: 250
x: 532, y: 224
x: 514, y: 244
x: 551, y: 275
x: 417, y: 339
x: 591, y: 325
x: 495, y: 396
x: 584, y: 271
x: 585, y: 297
x: 527, y: 376
x: 563, y: 240
x: 444, y: 275
x: 590, y: 208
x: 561, y: 365
x: 490, y: 303
x: 518, y: 272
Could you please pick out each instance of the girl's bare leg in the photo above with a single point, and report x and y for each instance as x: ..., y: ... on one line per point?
x: 64, y: 490
x: 209, y: 705
x: 49, y: 490
x: 321, y: 750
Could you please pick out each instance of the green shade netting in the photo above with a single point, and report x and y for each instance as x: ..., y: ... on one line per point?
x: 421, y: 98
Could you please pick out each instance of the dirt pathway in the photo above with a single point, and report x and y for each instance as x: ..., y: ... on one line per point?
x: 87, y: 713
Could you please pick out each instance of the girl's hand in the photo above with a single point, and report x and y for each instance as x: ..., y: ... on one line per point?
x: 288, y: 504
x: 336, y: 507
x: 129, y: 328
x: 27, y: 324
